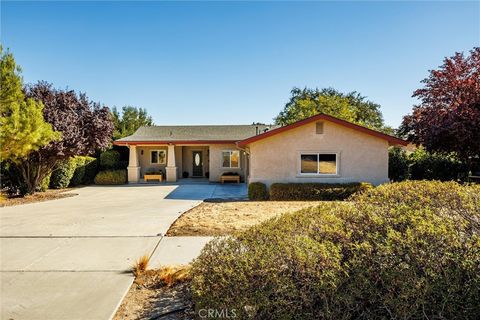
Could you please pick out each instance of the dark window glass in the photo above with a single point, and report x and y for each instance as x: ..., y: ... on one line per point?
x: 309, y: 163
x: 327, y: 163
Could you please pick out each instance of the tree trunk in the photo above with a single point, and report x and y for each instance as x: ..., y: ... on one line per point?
x: 34, y: 171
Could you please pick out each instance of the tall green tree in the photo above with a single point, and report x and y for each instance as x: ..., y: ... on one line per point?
x: 351, y: 107
x: 22, y: 126
x: 129, y: 120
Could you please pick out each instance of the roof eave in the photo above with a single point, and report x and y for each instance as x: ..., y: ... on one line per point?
x: 167, y: 142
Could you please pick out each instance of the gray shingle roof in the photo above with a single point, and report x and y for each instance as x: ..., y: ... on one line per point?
x: 196, y: 133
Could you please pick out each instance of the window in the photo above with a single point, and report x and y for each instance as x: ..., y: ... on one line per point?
x: 318, y: 163
x: 158, y: 157
x: 231, y: 159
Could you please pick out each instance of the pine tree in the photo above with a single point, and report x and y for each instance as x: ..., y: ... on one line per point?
x: 22, y: 126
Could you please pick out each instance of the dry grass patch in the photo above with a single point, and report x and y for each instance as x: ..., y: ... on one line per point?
x: 157, y: 292
x: 51, y: 194
x: 141, y: 265
x: 223, y: 218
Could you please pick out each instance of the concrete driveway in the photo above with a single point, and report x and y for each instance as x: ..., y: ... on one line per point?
x: 69, y: 258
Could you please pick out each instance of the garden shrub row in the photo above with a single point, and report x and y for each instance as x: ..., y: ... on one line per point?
x: 315, y: 191
x: 306, y: 191
x: 405, y: 250
x: 74, y: 171
x: 110, y: 177
x: 257, y: 191
x: 423, y: 165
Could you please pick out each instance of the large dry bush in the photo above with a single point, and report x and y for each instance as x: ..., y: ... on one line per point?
x: 406, y: 250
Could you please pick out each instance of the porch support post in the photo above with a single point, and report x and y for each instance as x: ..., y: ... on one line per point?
x: 171, y: 169
x: 133, y: 168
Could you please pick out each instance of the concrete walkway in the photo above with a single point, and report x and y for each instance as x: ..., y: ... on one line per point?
x: 69, y: 258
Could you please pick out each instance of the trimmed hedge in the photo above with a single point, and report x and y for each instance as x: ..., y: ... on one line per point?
x: 91, y: 170
x: 110, y: 159
x: 74, y: 171
x: 61, y: 177
x: 315, y: 191
x: 79, y: 172
x: 111, y: 177
x: 79, y: 175
x: 257, y: 191
x: 405, y: 251
x: 45, y: 184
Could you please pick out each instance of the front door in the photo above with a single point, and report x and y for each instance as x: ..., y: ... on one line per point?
x: 197, y: 164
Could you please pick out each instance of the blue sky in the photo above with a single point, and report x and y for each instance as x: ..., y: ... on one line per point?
x: 235, y: 62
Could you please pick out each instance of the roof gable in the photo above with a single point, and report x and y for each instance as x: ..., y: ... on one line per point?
x: 391, y: 139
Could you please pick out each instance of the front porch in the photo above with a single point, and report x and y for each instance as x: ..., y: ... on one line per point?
x: 189, y: 163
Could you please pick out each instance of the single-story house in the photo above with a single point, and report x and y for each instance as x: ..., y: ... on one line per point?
x: 321, y: 148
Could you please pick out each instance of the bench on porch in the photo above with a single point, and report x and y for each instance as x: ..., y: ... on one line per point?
x: 153, y: 175
x: 235, y: 178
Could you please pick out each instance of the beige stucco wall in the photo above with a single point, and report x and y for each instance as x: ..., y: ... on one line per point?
x: 144, y: 159
x: 216, y: 161
x: 361, y: 157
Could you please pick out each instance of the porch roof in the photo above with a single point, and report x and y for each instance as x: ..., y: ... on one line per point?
x: 194, y: 134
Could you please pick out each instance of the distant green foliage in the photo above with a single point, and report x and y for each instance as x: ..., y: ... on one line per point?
x: 111, y: 177
x: 129, y: 121
x: 352, y: 107
x: 406, y: 250
x: 63, y: 174
x: 315, y: 191
x: 257, y: 191
x: 109, y: 159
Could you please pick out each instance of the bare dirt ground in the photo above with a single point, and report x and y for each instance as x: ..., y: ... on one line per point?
x: 150, y: 298
x: 50, y: 194
x: 223, y: 218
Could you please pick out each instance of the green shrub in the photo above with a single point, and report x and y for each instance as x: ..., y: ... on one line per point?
x: 433, y: 166
x: 45, y: 184
x: 257, y: 191
x: 404, y: 250
x: 91, y: 170
x: 111, y: 177
x: 63, y: 174
x: 398, y: 165
x: 11, y: 179
x: 315, y: 191
x: 79, y: 172
x: 110, y: 159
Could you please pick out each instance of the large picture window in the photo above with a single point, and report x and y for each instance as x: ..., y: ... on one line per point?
x: 231, y: 159
x: 158, y: 157
x: 318, y: 163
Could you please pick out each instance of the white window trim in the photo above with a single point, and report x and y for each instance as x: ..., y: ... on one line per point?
x: 325, y: 175
x: 230, y: 151
x: 158, y: 157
